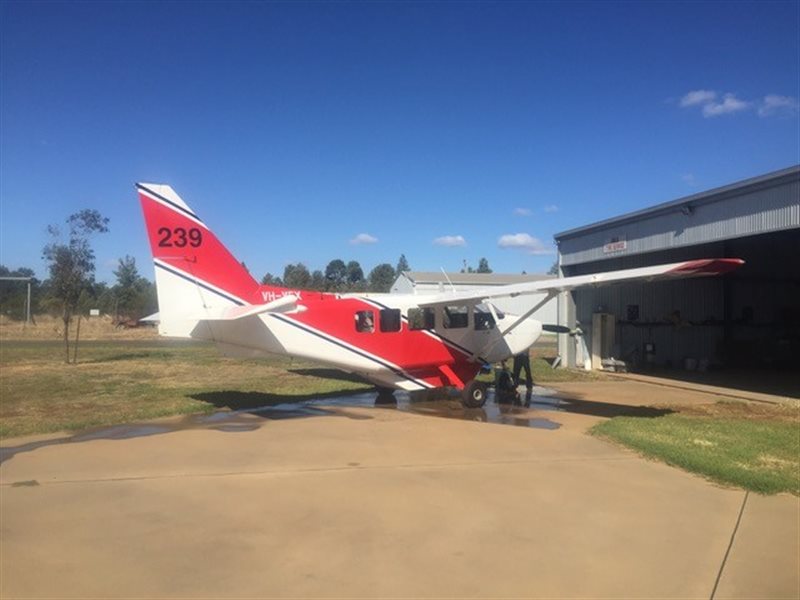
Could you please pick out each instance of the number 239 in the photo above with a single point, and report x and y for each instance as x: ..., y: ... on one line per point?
x: 179, y: 237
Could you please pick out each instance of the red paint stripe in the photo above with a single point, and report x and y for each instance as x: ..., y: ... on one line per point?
x: 707, y: 266
x: 209, y: 260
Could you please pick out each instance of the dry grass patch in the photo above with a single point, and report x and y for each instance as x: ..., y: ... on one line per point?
x: 123, y: 381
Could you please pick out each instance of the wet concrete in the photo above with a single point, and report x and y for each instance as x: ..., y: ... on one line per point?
x: 442, y: 508
x: 438, y: 403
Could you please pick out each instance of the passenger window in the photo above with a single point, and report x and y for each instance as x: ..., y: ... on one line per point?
x: 365, y: 321
x: 390, y: 320
x: 421, y: 318
x: 456, y: 317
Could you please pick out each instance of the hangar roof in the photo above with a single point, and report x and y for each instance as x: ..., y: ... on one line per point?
x: 712, y: 195
x: 755, y: 206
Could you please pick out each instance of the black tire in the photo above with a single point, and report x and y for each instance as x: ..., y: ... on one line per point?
x: 385, y: 397
x: 474, y: 395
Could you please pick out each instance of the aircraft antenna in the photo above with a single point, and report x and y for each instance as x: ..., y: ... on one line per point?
x: 448, y: 279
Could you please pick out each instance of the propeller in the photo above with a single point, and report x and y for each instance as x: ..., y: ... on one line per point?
x: 557, y: 329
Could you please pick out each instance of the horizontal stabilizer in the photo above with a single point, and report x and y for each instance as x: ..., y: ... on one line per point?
x: 283, y: 304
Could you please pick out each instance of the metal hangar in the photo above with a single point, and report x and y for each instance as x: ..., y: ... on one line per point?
x: 748, y: 318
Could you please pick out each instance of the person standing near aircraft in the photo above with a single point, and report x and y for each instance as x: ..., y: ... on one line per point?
x: 523, y: 361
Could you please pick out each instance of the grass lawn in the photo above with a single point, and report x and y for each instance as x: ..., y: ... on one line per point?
x: 119, y: 381
x: 756, y: 447
x: 123, y: 381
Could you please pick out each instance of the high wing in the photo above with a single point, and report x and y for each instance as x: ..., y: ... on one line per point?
x: 693, y: 268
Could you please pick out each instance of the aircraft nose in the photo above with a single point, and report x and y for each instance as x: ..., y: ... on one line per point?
x: 524, y: 336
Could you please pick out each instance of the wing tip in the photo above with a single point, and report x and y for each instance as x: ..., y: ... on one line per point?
x: 708, y: 266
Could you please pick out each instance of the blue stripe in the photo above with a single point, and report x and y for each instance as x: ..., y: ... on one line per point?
x: 170, y: 202
x: 346, y: 347
x: 200, y: 283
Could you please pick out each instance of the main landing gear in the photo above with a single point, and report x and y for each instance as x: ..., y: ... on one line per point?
x: 385, y: 397
x: 474, y: 394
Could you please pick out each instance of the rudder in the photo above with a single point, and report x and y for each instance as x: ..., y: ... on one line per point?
x: 196, y: 275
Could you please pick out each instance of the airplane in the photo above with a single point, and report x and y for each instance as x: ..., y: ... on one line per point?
x: 396, y: 341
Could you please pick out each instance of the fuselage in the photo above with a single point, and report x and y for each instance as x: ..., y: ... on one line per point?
x: 386, y: 338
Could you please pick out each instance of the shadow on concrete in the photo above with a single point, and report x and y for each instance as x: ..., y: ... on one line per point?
x: 608, y: 410
x: 764, y: 381
x: 234, y: 400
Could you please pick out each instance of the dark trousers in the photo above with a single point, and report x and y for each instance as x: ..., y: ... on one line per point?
x: 523, y: 361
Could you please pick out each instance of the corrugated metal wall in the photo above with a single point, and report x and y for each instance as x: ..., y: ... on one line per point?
x: 751, y: 315
x: 682, y: 318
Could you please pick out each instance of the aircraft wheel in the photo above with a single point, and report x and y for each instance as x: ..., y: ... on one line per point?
x: 385, y: 396
x: 474, y: 395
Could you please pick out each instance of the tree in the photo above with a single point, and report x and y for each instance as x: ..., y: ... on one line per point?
x: 318, y: 281
x: 270, y: 279
x: 71, y: 264
x: 336, y: 274
x: 126, y: 289
x: 296, y: 276
x: 134, y: 296
x: 402, y: 265
x: 354, y: 275
x: 381, y: 278
x: 483, y: 266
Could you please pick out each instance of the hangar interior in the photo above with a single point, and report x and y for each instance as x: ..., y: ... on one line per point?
x: 747, y: 319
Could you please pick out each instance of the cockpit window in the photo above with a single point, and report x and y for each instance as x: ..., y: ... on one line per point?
x: 456, y: 317
x: 483, y: 318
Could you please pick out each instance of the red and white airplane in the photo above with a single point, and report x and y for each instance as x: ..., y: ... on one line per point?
x: 399, y: 341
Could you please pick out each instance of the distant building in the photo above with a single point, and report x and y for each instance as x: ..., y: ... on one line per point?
x: 421, y: 282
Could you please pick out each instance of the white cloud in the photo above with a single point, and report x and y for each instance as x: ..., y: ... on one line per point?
x: 730, y: 104
x: 774, y: 105
x: 523, y: 212
x: 523, y: 241
x: 551, y: 208
x: 364, y: 238
x: 698, y: 97
x: 450, y: 240
x: 711, y: 105
x: 689, y: 179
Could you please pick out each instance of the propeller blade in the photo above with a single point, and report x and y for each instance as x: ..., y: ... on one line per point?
x: 556, y: 328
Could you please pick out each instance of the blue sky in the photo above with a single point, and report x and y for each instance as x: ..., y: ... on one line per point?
x: 445, y: 131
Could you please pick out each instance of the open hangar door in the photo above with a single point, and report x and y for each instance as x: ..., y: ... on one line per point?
x: 745, y: 322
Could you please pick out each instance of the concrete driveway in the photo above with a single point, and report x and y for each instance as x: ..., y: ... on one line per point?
x: 357, y: 501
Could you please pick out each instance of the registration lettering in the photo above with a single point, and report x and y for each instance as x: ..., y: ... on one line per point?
x: 272, y: 296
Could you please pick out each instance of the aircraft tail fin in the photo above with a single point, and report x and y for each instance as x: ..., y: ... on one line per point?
x: 196, y: 276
